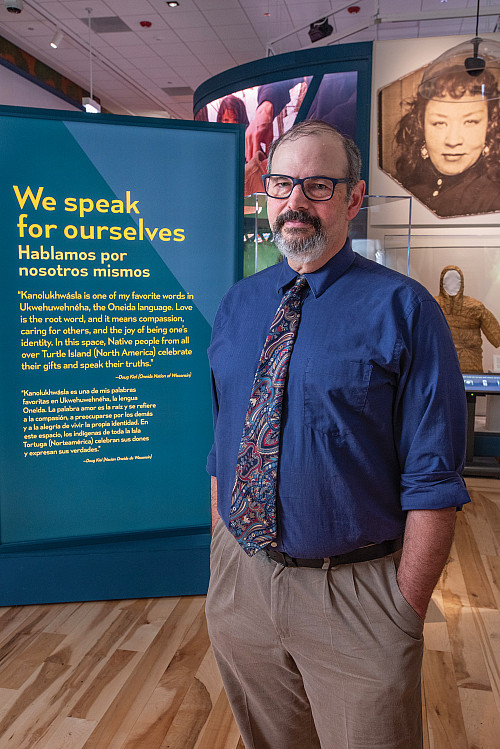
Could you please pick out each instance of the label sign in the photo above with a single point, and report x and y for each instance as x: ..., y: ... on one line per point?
x: 119, y: 237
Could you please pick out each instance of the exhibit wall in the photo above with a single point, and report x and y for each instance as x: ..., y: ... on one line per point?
x: 16, y: 90
x: 469, y: 240
x: 114, y: 260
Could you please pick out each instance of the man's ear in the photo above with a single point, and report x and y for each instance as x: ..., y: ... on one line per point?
x: 356, y: 200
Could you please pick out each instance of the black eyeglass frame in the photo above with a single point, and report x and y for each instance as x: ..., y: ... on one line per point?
x: 296, y: 181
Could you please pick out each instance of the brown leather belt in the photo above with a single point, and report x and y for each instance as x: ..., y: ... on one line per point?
x: 364, y: 554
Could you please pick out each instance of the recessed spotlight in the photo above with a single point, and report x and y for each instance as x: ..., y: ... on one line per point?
x: 172, y: 3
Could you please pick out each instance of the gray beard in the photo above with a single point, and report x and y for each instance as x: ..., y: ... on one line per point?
x: 305, y: 249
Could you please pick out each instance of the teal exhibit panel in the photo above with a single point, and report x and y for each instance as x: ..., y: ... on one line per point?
x: 119, y: 237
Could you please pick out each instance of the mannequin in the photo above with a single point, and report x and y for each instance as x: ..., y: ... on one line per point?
x: 467, y: 318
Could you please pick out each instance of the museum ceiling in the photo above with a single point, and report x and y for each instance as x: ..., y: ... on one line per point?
x: 149, y: 57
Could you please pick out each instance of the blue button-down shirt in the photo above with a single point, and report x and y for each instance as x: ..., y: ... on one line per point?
x: 374, y: 416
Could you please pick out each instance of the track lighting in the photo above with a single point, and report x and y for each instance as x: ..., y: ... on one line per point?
x: 57, y: 39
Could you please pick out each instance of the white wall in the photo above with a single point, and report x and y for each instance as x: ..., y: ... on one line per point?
x: 17, y: 91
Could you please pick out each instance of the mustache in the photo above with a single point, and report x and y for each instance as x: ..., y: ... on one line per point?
x: 302, y: 216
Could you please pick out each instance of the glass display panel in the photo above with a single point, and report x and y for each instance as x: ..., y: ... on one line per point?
x: 365, y: 231
x: 473, y: 306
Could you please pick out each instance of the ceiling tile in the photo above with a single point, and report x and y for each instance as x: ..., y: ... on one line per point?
x: 57, y: 9
x: 245, y: 45
x: 212, y: 47
x: 219, y: 4
x: 226, y: 17
x: 240, y: 31
x: 130, y: 7
x: 125, y: 39
x: 171, y: 51
x: 197, y: 34
x: 153, y: 35
x: 397, y: 6
x: 185, y: 19
x: 79, y: 7
x: 271, y: 30
x: 218, y: 59
x: 307, y: 12
x: 142, y: 54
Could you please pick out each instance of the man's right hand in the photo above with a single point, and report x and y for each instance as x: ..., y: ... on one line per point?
x: 259, y: 131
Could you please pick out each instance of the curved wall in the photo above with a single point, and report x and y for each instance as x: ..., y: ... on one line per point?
x: 331, y: 83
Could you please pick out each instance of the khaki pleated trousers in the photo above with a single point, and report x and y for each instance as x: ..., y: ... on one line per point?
x: 314, y: 658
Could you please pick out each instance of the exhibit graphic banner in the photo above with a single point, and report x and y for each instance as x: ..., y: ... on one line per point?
x: 119, y: 238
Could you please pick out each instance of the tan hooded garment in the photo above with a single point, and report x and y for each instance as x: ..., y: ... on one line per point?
x: 467, y: 318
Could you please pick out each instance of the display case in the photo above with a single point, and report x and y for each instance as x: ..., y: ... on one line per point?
x: 478, y: 259
x: 474, y: 320
x: 367, y: 232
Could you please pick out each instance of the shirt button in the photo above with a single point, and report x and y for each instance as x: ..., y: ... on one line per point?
x: 273, y: 544
x: 440, y: 181
x: 436, y: 192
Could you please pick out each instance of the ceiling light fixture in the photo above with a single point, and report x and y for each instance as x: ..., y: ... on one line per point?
x: 475, y: 65
x: 13, y: 6
x: 56, y: 39
x: 90, y: 104
x: 483, y: 65
x: 172, y: 4
x: 319, y: 29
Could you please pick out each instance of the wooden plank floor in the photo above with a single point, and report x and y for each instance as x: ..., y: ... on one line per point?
x: 140, y: 674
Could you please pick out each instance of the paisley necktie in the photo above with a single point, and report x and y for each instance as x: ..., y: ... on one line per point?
x: 252, y: 518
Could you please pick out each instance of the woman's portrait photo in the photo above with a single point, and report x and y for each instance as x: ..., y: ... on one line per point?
x: 439, y: 136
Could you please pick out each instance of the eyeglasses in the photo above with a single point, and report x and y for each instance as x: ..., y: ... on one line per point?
x: 314, y: 188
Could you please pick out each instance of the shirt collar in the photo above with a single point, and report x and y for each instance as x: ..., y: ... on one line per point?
x: 320, y: 280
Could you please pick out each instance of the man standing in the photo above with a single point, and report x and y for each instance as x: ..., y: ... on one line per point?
x: 340, y: 409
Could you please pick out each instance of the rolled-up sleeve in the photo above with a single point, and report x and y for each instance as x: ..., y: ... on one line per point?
x: 430, y: 416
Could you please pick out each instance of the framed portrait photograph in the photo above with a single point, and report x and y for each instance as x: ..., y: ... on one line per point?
x: 437, y: 130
